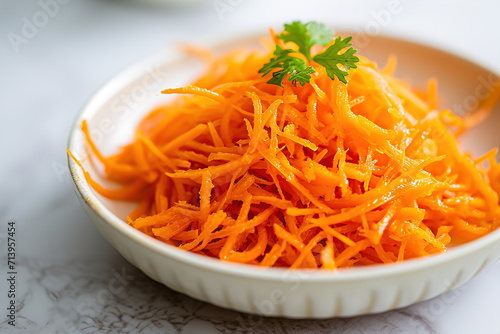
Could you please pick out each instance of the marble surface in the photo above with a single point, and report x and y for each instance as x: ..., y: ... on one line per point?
x: 55, y: 54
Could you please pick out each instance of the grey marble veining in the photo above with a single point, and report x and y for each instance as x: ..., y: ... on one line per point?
x: 69, y: 279
x: 92, y: 296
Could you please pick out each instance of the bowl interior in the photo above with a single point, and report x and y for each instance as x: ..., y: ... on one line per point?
x: 116, y: 109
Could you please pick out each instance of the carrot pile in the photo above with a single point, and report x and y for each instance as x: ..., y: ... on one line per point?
x: 327, y: 175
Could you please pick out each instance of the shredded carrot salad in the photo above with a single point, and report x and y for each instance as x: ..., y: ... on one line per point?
x: 328, y: 175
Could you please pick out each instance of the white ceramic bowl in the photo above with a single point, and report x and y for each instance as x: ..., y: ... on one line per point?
x: 112, y: 115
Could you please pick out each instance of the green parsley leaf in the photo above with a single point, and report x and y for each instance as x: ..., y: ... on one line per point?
x: 330, y: 58
x: 278, y: 78
x: 281, y: 56
x: 302, y: 77
x: 293, y: 66
x: 320, y: 34
x: 306, y: 35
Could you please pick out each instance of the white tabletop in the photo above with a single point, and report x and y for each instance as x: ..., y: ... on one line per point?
x: 55, y: 54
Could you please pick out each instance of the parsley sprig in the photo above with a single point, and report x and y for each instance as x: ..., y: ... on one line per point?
x: 295, y: 67
x: 305, y: 36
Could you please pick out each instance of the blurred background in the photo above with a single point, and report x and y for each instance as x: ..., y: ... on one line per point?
x: 54, y: 54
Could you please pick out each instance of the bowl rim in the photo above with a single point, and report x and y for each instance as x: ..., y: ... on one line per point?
x: 135, y: 71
